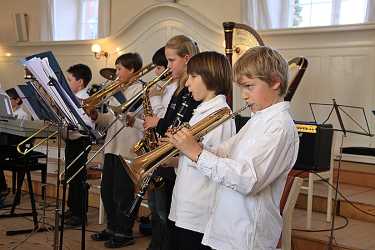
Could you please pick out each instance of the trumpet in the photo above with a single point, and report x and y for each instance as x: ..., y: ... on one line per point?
x: 102, y: 96
x: 144, y: 165
x: 118, y: 110
x: 142, y: 168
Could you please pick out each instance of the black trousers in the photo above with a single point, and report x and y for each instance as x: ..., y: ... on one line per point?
x: 3, y: 182
x: 5, y: 152
x: 76, y: 187
x: 117, y: 191
x: 184, y: 239
x: 162, y: 233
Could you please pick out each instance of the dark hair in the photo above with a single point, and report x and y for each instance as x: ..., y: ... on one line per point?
x: 214, y: 69
x: 159, y: 58
x: 12, y: 93
x: 81, y: 71
x: 130, y: 61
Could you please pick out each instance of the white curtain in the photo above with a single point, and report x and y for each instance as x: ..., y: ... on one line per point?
x: 276, y: 14
x: 50, y: 21
x: 266, y: 14
x: 370, y: 11
x: 104, y: 18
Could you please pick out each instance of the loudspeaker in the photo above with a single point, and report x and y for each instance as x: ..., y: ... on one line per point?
x: 315, y: 143
x: 22, y: 27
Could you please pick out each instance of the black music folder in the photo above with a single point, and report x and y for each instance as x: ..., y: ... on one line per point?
x: 49, y: 75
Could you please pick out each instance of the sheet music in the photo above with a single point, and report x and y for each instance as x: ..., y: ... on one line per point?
x: 41, y: 69
x: 37, y: 68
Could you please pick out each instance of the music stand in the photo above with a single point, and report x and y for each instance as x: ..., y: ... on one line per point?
x: 45, y: 68
x: 340, y: 109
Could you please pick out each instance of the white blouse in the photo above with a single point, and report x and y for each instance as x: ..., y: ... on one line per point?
x: 193, y: 193
x: 252, y: 169
x: 159, y: 104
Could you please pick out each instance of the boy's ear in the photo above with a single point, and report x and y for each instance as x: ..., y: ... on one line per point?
x: 81, y: 83
x: 187, y: 58
x: 18, y: 101
x: 131, y: 70
x: 276, y: 81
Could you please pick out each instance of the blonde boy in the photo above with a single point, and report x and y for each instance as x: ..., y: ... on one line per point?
x: 252, y: 166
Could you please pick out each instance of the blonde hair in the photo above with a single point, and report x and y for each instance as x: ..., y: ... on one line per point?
x: 264, y: 63
x: 183, y: 46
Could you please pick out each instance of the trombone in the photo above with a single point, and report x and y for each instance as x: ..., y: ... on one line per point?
x: 119, y: 116
x: 28, y: 150
x: 44, y: 96
x: 166, y: 74
x: 102, y: 96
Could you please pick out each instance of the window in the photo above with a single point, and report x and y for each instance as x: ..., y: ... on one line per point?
x: 278, y: 14
x: 75, y: 19
x: 327, y: 12
x: 89, y: 19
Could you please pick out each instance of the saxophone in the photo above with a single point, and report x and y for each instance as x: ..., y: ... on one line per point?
x: 150, y: 139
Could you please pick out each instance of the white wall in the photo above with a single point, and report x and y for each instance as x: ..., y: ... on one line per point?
x: 36, y: 10
x: 341, y: 60
x: 217, y: 11
x: 341, y: 63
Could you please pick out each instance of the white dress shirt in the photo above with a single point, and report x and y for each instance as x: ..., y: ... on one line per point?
x: 251, y: 168
x: 75, y: 134
x: 81, y: 95
x: 21, y: 114
x: 123, y: 143
x: 160, y: 103
x: 193, y: 194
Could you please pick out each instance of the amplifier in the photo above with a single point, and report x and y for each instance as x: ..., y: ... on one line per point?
x: 315, y: 143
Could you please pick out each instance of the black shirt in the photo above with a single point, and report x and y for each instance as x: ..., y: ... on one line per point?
x: 174, y: 107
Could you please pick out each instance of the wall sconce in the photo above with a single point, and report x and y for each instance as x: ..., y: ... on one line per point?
x: 98, y: 53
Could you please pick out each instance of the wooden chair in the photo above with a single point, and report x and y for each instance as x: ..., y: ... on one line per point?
x: 287, y: 203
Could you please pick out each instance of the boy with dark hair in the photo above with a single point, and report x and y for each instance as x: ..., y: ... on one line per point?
x: 117, y: 189
x: 78, y: 77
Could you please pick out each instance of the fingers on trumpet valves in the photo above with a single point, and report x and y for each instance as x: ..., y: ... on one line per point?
x: 186, y: 125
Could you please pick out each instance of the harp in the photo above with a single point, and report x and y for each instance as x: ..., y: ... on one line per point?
x: 297, y: 68
x: 238, y: 39
x: 241, y: 37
